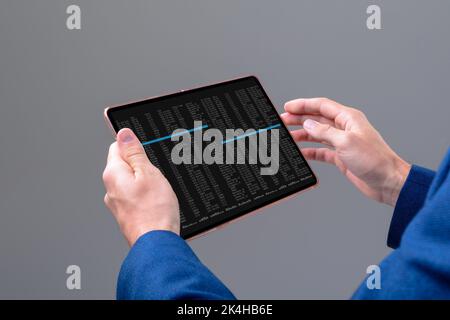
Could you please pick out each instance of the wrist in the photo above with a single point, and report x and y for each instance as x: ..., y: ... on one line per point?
x: 395, y: 181
x: 135, y: 232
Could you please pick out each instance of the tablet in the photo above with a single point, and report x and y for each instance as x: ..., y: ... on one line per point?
x: 222, y: 147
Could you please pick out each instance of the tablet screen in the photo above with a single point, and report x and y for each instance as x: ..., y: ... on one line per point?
x: 222, y: 147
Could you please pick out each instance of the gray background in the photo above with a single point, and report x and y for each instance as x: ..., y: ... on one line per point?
x: 54, y: 84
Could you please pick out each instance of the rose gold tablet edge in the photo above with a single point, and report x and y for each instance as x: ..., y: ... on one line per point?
x: 105, y: 112
x: 249, y: 214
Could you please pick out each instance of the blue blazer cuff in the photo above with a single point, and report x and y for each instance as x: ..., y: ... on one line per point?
x: 410, y: 201
x: 161, y: 265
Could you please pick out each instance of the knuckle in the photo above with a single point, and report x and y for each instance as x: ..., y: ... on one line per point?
x: 111, y: 173
x: 325, y: 100
x: 136, y: 157
x: 362, y: 115
x: 107, y: 175
x: 136, y: 153
x: 112, y: 146
x: 107, y: 201
x: 322, y: 100
x: 325, y: 128
x: 356, y: 114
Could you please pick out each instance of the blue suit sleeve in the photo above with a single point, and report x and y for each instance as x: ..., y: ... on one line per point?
x: 420, y: 267
x: 410, y: 201
x: 161, y: 265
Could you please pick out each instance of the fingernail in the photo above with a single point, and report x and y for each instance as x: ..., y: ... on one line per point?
x: 310, y: 124
x: 126, y: 136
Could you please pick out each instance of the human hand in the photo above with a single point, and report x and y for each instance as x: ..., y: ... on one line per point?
x: 358, y: 151
x: 137, y: 193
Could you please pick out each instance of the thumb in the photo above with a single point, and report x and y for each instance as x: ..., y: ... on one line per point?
x: 324, y: 132
x: 131, y: 150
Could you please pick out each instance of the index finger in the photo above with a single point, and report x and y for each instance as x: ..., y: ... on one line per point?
x: 321, y: 106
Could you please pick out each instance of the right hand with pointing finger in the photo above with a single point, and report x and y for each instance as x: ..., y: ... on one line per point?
x: 353, y: 145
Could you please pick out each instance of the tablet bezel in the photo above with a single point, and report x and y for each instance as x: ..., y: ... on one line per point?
x: 209, y: 228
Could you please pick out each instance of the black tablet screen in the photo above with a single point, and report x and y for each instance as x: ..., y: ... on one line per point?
x: 211, y: 192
